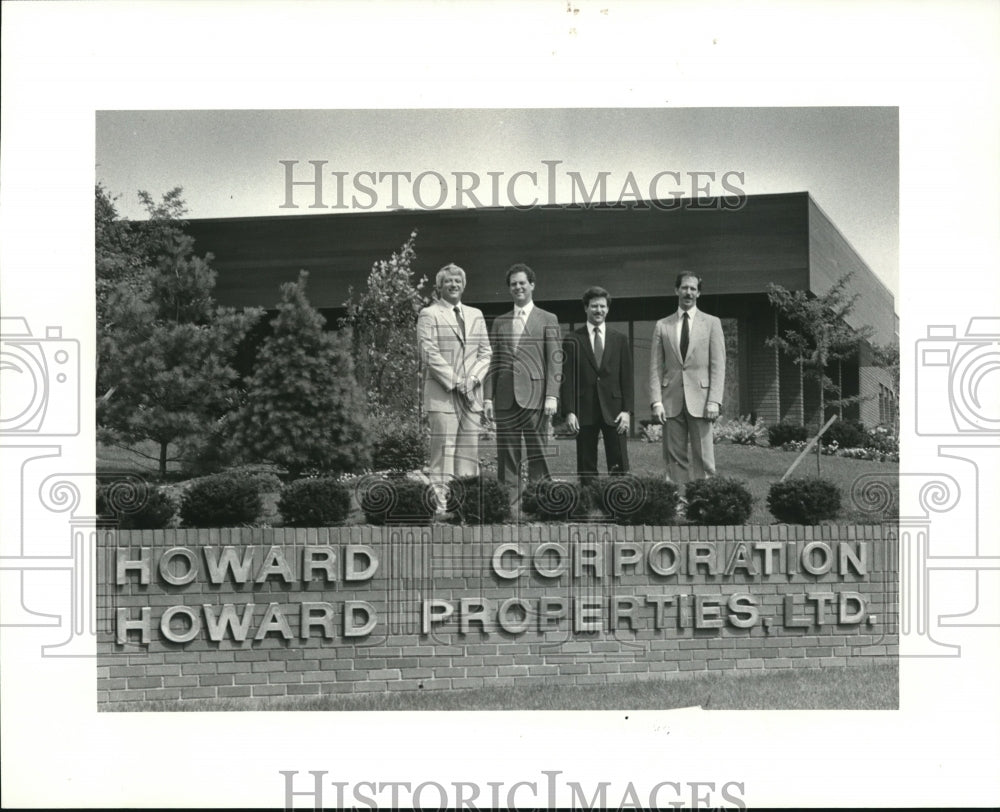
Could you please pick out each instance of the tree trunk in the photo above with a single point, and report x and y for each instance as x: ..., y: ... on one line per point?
x: 163, y: 460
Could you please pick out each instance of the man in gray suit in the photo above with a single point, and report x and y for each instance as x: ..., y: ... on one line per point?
x: 522, y: 388
x: 687, y: 370
x: 455, y: 354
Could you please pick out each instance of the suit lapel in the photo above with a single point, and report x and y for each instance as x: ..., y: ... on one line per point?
x: 451, y: 321
x: 588, y: 350
x: 672, y: 337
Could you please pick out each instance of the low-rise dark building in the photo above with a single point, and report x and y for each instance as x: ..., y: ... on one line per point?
x: 635, y: 251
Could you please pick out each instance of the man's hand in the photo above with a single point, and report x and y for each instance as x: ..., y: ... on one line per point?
x: 659, y: 415
x: 488, y: 409
x: 712, y: 410
x: 622, y: 421
x: 550, y: 407
x: 572, y: 423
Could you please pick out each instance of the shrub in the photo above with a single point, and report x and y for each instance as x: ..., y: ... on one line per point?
x: 479, y: 499
x: 401, y: 446
x: 229, y: 499
x: 846, y: 434
x: 718, y: 500
x: 650, y: 432
x: 781, y: 433
x: 319, y: 502
x: 557, y: 500
x: 740, y: 431
x: 134, y: 505
x: 882, y: 439
x: 806, y: 500
x: 632, y: 499
x: 396, y: 500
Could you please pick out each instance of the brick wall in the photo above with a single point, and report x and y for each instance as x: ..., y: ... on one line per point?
x: 643, y: 601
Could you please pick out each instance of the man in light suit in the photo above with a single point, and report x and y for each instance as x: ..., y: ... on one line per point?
x: 522, y: 386
x: 687, y: 369
x: 455, y: 355
x: 597, y: 392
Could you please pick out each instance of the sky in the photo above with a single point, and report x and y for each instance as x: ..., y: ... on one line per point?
x: 227, y: 162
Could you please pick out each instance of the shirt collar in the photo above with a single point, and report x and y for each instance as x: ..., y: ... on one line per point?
x: 691, y: 313
x: 526, y: 309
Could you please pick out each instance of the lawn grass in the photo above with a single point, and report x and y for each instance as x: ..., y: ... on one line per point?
x: 869, y: 687
x: 758, y: 467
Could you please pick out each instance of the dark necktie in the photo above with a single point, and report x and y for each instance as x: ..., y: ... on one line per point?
x: 461, y: 322
x: 685, y: 337
x: 598, y: 347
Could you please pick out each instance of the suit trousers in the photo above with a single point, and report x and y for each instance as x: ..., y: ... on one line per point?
x: 454, y: 448
x: 682, y: 466
x: 512, y: 426
x: 615, y: 450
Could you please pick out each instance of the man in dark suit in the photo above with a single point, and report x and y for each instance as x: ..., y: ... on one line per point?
x: 687, y: 372
x: 597, y: 393
x: 521, y: 390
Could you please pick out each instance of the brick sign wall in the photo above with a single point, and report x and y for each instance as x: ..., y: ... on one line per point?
x: 190, y: 614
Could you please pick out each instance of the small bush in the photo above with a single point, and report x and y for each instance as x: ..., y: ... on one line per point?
x: 396, y: 500
x: 401, y: 446
x: 632, y: 499
x: 806, y: 500
x: 781, y: 433
x: 650, y: 432
x: 740, y: 431
x: 134, y: 505
x: 846, y: 434
x: 479, y: 499
x: 319, y: 502
x: 883, y: 440
x: 230, y: 499
x: 557, y: 500
x: 718, y: 500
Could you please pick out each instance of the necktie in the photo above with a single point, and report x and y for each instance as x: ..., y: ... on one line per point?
x: 518, y: 327
x: 598, y: 346
x: 461, y: 322
x: 685, y: 337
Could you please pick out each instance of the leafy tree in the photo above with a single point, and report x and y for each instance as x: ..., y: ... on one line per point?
x: 816, y: 334
x: 383, y: 319
x: 304, y: 409
x: 165, y: 350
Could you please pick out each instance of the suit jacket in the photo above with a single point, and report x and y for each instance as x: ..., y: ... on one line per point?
x: 526, y: 376
x: 694, y: 381
x: 446, y: 359
x: 596, y: 394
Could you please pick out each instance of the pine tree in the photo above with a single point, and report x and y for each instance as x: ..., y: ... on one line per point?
x: 816, y: 334
x: 304, y: 409
x: 165, y: 351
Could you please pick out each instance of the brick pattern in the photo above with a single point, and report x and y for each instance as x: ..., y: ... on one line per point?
x: 452, y: 564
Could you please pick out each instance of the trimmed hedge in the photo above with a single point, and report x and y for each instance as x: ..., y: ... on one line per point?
x: 629, y: 499
x: 557, y: 500
x: 316, y: 502
x: 846, y: 434
x: 718, y: 500
x: 135, y: 505
x: 229, y: 499
x: 392, y: 500
x: 805, y: 500
x: 479, y: 499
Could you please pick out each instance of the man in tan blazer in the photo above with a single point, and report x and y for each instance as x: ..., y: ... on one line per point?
x: 522, y: 387
x: 687, y: 369
x: 455, y: 355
